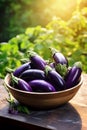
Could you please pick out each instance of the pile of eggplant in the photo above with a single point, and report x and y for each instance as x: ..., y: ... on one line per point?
x: 39, y: 75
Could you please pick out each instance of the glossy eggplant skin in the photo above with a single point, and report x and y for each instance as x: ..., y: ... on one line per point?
x: 23, y: 85
x: 73, y: 76
x: 59, y: 57
x: 55, y: 79
x: 32, y: 74
x: 22, y: 68
x: 20, y: 83
x: 52, y: 65
x: 41, y: 86
x: 37, y: 61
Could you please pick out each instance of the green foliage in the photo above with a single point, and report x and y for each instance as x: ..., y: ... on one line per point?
x: 68, y: 37
x: 17, y: 15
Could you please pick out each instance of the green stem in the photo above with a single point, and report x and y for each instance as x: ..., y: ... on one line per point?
x: 9, y: 70
x: 53, y: 50
x: 47, y: 69
x: 78, y: 64
x: 31, y: 54
x: 15, y: 79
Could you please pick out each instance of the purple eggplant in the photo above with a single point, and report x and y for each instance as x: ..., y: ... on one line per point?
x: 22, y: 68
x: 55, y: 78
x: 39, y: 85
x: 21, y: 84
x: 52, y: 65
x: 32, y: 74
x: 74, y: 75
x: 59, y: 57
x: 37, y: 61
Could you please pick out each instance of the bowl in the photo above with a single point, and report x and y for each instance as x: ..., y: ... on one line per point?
x: 42, y: 100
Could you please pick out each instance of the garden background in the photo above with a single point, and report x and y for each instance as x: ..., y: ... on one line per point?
x: 39, y: 24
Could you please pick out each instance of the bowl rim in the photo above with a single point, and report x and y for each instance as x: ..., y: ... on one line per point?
x: 6, y: 81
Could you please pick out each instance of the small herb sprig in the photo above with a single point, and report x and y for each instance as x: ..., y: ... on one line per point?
x: 14, y: 106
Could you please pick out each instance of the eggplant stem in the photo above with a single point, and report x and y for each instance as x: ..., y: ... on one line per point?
x: 31, y: 54
x: 47, y: 68
x: 9, y: 70
x: 15, y: 79
x: 53, y: 50
x: 78, y: 64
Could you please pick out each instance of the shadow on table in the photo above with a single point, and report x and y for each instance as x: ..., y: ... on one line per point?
x: 64, y: 117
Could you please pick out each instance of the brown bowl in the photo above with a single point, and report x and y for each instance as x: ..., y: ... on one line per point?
x: 42, y: 100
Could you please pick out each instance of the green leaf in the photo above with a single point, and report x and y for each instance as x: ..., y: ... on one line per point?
x: 61, y: 69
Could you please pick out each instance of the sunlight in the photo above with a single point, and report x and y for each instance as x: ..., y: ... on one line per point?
x: 62, y: 8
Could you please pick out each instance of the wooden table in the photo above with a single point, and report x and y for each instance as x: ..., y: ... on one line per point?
x: 71, y: 116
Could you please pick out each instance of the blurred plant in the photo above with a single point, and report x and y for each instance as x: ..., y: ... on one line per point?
x: 17, y: 15
x: 69, y: 37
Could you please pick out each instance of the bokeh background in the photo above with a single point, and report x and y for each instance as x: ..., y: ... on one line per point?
x: 17, y: 15
x: 38, y: 24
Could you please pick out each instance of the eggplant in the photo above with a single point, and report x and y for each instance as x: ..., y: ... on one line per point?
x: 37, y: 61
x: 54, y: 78
x: 32, y: 74
x: 22, y: 68
x: 74, y: 75
x: 59, y: 57
x: 52, y: 65
x: 21, y: 84
x: 39, y: 85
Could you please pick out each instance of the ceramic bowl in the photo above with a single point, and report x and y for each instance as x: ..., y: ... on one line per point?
x: 42, y: 100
